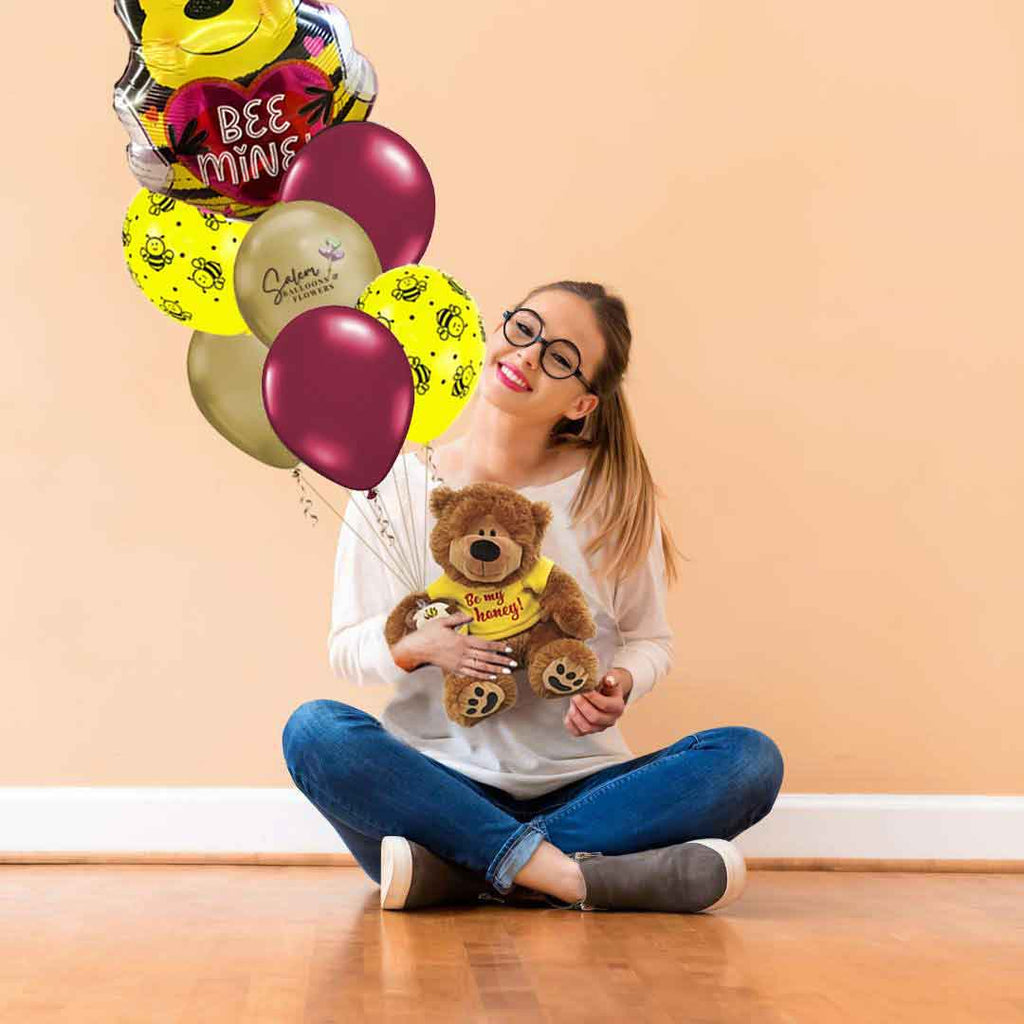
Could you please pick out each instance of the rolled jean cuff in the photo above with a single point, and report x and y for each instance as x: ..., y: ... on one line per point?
x: 516, y: 851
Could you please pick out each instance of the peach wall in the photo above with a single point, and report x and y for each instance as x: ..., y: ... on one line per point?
x: 815, y: 214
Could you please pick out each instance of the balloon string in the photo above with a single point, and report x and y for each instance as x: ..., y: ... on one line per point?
x: 429, y: 470
x: 433, y: 465
x: 383, y: 514
x: 390, y: 568
x: 410, y: 520
x: 400, y: 569
x: 375, y: 499
x: 426, y: 492
x: 304, y: 500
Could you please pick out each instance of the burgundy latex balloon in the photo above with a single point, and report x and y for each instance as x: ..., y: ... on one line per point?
x: 377, y: 178
x: 338, y: 392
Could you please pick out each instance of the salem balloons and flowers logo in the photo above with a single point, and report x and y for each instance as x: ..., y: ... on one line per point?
x: 298, y: 285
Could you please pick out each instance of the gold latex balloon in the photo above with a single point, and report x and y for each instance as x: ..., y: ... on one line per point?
x: 300, y: 256
x: 439, y: 325
x: 184, y: 261
x: 226, y: 378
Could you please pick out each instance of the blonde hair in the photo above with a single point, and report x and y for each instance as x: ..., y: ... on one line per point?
x: 617, y: 489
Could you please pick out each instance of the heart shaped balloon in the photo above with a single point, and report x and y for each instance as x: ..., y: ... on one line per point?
x: 220, y: 95
x: 338, y: 391
x: 252, y: 179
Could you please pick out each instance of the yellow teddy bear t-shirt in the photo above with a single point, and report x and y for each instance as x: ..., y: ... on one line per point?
x: 498, y: 611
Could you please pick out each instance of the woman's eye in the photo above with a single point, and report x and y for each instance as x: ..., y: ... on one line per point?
x: 563, y: 361
x: 524, y: 330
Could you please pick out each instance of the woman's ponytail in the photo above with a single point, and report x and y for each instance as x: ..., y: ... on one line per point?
x: 618, y: 491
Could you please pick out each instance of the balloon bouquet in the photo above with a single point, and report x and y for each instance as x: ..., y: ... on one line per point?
x: 285, y: 230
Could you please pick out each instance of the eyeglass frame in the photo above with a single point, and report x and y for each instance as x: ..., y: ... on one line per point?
x: 544, y: 343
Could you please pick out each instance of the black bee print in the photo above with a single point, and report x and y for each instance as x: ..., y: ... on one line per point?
x: 155, y: 253
x: 161, y: 204
x: 126, y: 233
x: 420, y: 374
x: 449, y: 323
x: 455, y: 286
x: 360, y: 303
x: 207, y: 274
x: 386, y: 321
x: 463, y: 380
x: 172, y: 307
x: 212, y: 220
x: 409, y: 288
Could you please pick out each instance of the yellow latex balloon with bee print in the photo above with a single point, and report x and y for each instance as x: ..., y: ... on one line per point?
x: 184, y: 261
x: 439, y: 325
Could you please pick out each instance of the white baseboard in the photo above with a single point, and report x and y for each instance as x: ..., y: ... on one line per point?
x: 122, y: 820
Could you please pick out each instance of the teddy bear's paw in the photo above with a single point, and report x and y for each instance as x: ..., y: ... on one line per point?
x: 478, y: 700
x: 564, y: 676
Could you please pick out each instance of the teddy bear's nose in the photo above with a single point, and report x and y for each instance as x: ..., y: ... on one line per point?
x: 199, y: 10
x: 484, y: 550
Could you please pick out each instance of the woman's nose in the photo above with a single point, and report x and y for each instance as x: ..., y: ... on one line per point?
x: 529, y: 356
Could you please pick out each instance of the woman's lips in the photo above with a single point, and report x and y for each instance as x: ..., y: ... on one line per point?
x: 513, y: 380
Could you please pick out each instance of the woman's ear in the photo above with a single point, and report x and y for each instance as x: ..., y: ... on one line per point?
x: 582, y: 407
x: 440, y: 499
x: 590, y: 403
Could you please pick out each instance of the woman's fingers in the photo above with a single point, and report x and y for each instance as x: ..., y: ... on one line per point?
x: 575, y: 723
x: 590, y: 714
x: 490, y: 658
x: 491, y: 651
x: 488, y: 645
x: 606, y: 702
x: 474, y: 673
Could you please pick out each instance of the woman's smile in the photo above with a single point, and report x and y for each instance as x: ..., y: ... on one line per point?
x: 512, y: 378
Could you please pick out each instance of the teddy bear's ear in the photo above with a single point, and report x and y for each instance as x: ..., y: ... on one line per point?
x: 440, y: 499
x: 541, y: 516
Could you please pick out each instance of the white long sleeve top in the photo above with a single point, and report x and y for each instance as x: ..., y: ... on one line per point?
x: 526, y: 750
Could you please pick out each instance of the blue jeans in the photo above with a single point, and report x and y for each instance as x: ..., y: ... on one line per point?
x: 369, y: 784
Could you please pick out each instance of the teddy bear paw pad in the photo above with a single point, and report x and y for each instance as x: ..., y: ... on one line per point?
x: 564, y: 676
x: 481, y: 699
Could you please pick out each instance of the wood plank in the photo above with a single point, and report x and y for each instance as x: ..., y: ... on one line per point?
x: 973, y: 866
x: 270, y: 945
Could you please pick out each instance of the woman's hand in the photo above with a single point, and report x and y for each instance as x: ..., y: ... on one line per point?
x: 439, y: 643
x: 595, y: 711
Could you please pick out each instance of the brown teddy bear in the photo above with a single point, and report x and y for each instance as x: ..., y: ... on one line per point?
x: 488, y: 540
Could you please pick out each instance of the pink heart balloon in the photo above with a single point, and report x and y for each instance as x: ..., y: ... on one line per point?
x: 272, y: 104
x: 338, y: 391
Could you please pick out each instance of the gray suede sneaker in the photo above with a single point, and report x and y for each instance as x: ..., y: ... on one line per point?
x: 520, y: 896
x: 688, y: 878
x: 411, y: 876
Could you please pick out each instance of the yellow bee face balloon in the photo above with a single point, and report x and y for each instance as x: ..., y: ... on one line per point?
x: 184, y: 261
x: 439, y: 325
x: 210, y: 38
x: 220, y: 95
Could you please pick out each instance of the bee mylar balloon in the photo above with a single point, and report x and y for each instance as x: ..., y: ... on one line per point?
x: 439, y: 325
x: 219, y: 95
x: 184, y: 261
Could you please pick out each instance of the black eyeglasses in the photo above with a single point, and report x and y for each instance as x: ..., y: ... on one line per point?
x: 559, y: 357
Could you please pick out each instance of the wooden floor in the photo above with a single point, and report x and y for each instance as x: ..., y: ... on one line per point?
x: 156, y: 943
